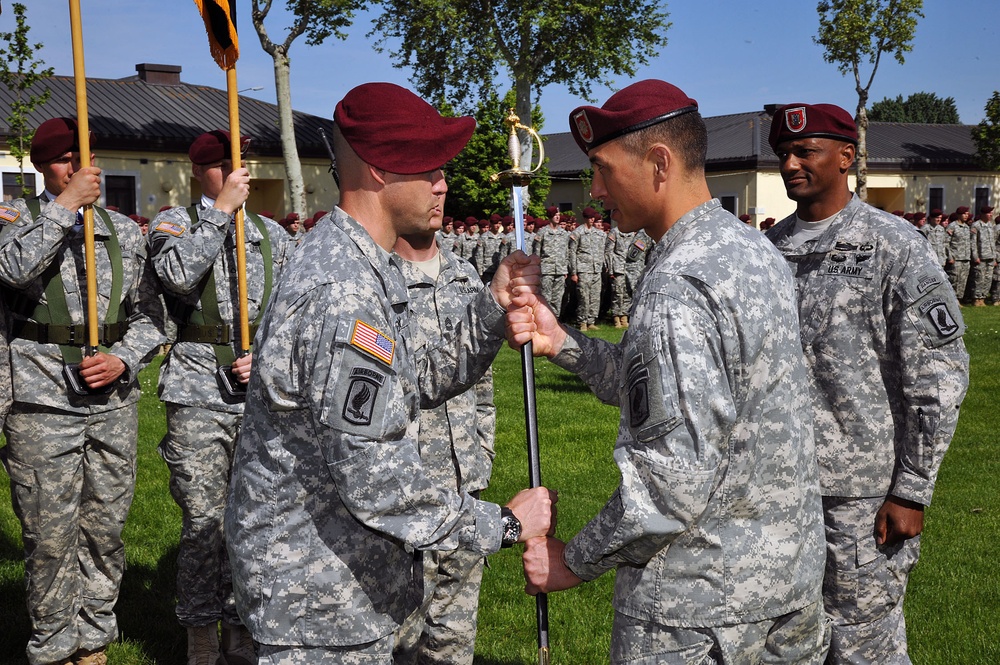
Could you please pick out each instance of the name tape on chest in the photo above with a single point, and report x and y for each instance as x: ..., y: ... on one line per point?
x: 8, y: 215
x: 170, y: 227
x: 372, y: 341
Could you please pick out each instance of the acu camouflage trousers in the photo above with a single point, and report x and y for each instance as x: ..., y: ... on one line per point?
x: 198, y: 450
x: 72, y: 480
x: 443, y: 629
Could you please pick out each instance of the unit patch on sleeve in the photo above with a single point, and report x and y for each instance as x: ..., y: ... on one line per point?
x: 370, y: 340
x: 360, y: 401
x: 8, y: 215
x: 939, y: 316
x: 170, y: 227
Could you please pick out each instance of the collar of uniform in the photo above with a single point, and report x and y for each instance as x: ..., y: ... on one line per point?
x: 681, y: 227
x: 825, y: 243
x: 381, y: 261
x: 100, y: 228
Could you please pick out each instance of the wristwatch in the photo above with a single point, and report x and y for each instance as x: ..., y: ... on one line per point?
x: 511, y: 527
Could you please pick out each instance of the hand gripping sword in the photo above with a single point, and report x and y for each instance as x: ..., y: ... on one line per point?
x: 516, y: 178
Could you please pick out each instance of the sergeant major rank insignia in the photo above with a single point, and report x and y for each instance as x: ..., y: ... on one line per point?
x: 360, y: 401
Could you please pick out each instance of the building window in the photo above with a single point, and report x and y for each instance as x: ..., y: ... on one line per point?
x: 729, y: 203
x: 982, y: 199
x: 11, y: 190
x: 936, y: 197
x: 119, y: 191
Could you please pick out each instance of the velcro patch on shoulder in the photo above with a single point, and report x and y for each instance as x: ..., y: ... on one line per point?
x: 372, y: 341
x: 9, y: 215
x: 170, y: 227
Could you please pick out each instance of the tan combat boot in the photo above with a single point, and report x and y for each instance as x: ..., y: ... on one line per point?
x: 980, y: 302
x: 584, y: 327
x: 203, y: 645
x: 618, y: 322
x: 625, y: 321
x: 93, y: 658
x: 237, y: 645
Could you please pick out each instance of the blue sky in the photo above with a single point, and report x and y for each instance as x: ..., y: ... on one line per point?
x: 733, y: 56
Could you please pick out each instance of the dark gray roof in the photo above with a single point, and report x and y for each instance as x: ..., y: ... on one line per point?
x: 133, y: 114
x: 739, y: 141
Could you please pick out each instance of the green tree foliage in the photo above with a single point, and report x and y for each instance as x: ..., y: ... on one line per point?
x: 470, y: 191
x: 854, y: 33
x: 458, y: 47
x: 317, y: 20
x: 922, y: 107
x: 19, y: 72
x: 986, y: 135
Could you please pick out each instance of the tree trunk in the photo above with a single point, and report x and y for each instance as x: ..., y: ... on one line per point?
x: 862, y: 156
x: 293, y: 168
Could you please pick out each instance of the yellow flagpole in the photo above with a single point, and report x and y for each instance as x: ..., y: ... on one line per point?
x: 235, y: 146
x: 83, y: 124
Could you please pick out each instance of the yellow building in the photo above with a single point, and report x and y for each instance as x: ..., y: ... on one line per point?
x: 911, y: 167
x: 142, y: 127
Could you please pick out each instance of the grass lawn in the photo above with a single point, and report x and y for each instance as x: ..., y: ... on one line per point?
x: 953, y: 607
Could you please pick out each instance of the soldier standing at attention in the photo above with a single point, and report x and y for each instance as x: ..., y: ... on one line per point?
x: 586, y: 260
x: 456, y: 452
x: 551, y: 245
x: 615, y: 250
x: 959, y: 251
x: 984, y: 261
x: 71, y: 438
x: 882, y: 336
x: 716, y: 529
x: 489, y: 249
x: 194, y: 254
x: 937, y: 235
x: 328, y: 500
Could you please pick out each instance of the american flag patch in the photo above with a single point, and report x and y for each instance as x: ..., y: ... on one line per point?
x: 372, y: 341
x: 169, y: 227
x: 9, y: 215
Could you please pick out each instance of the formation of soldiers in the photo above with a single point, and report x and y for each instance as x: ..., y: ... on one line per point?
x: 588, y: 269
x: 966, y: 248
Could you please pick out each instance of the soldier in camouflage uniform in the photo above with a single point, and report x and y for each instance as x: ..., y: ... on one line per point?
x: 959, y: 251
x: 490, y: 249
x: 465, y: 244
x: 586, y: 261
x: 615, y: 250
x: 882, y: 336
x: 510, y: 240
x: 456, y: 452
x: 446, y: 234
x: 328, y: 499
x: 70, y: 456
x: 551, y: 245
x: 937, y: 236
x: 194, y: 255
x: 984, y: 258
x: 715, y: 529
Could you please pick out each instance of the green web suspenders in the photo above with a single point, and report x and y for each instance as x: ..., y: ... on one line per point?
x: 50, y: 323
x: 206, y: 325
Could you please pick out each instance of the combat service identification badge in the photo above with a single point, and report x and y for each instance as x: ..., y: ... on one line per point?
x: 360, y: 401
x: 795, y: 119
x: 638, y: 391
x: 583, y: 126
x: 939, y: 316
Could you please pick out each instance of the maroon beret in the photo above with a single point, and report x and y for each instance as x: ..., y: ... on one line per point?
x: 494, y: 218
x: 448, y: 220
x: 897, y: 213
x: 507, y: 219
x: 985, y: 209
x: 459, y: 225
x: 908, y: 216
x: 953, y: 216
x: 319, y: 214
x: 635, y: 107
x: 744, y: 217
x: 213, y: 146
x: 285, y: 222
x: 961, y: 210
x: 162, y: 208
x: 471, y: 220
x: 590, y: 213
x: 266, y: 213
x: 769, y: 219
x: 551, y: 211
x: 935, y: 212
x: 917, y: 216
x: 394, y: 130
x: 799, y: 121
x: 309, y: 223
x: 53, y: 139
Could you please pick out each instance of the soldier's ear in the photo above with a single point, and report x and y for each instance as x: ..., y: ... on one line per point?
x: 847, y: 154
